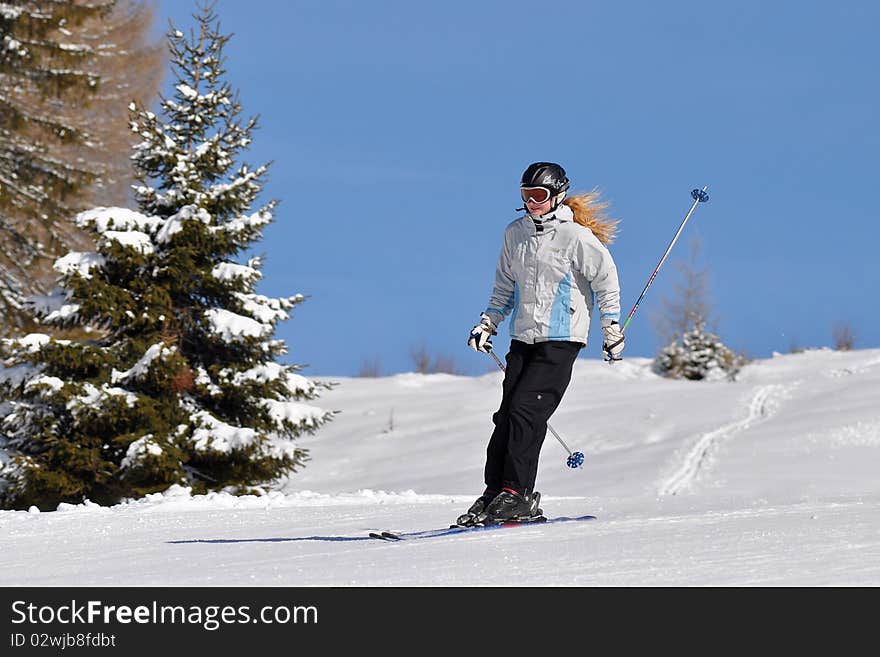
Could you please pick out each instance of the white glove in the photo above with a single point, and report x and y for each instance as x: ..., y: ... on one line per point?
x: 480, y: 338
x: 612, y: 343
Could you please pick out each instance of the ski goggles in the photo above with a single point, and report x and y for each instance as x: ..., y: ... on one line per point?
x: 535, y: 194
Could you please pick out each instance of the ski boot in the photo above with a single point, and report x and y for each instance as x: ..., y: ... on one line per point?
x: 510, y: 506
x: 467, y: 519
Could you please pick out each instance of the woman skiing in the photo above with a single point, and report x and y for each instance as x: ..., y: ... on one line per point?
x: 553, y: 262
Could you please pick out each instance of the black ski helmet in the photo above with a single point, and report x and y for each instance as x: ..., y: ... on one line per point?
x: 545, y: 174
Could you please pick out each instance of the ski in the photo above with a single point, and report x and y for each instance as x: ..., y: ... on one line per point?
x: 394, y: 537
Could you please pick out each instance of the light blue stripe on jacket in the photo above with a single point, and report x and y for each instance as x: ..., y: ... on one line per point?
x: 560, y: 312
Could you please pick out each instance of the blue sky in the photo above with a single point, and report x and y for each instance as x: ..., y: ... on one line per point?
x: 398, y: 132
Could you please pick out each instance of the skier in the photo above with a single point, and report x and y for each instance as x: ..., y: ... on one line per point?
x: 553, y: 262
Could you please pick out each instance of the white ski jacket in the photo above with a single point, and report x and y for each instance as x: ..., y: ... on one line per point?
x: 549, y: 270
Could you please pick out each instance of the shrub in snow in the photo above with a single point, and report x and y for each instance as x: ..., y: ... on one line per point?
x: 698, y: 355
x: 181, y: 384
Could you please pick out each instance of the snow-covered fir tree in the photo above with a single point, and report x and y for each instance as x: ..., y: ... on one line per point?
x: 698, y: 354
x: 181, y: 383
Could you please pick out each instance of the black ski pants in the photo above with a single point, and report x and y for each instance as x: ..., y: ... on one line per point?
x: 535, y: 380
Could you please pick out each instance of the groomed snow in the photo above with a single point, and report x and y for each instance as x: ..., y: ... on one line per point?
x: 771, y: 480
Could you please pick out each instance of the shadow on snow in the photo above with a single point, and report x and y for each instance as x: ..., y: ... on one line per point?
x: 272, y: 540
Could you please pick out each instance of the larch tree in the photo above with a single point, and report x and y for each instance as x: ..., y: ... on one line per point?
x: 67, y: 71
x: 130, y: 64
x: 690, y: 302
x: 690, y: 350
x: 181, y: 383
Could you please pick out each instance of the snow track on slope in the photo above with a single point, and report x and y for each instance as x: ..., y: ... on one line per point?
x: 696, y: 460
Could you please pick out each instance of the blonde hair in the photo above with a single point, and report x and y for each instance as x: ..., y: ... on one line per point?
x: 589, y: 211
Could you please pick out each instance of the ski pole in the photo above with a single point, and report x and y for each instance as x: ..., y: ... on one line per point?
x: 699, y: 196
x: 575, y: 459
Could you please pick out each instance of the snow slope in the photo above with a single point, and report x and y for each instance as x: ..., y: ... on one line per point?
x: 771, y: 480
